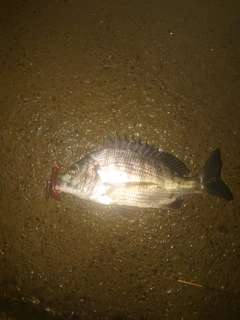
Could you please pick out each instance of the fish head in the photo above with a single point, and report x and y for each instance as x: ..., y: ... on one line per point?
x: 79, y: 179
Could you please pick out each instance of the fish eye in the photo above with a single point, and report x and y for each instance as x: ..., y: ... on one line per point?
x: 73, y: 170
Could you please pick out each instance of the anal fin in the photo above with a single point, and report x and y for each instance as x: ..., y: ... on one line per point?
x: 175, y: 205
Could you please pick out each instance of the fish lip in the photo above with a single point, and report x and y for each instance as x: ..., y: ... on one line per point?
x: 60, y: 183
x: 56, y: 190
x: 53, y: 187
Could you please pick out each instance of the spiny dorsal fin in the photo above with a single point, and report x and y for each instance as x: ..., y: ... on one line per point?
x: 173, y: 163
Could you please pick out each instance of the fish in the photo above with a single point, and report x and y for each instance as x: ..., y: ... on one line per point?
x: 129, y: 175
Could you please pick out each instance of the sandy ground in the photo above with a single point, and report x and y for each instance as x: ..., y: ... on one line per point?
x: 74, y: 72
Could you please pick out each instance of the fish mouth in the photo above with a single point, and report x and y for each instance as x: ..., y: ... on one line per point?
x: 54, y: 185
x: 60, y: 183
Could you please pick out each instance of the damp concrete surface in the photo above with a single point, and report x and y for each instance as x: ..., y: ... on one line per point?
x: 74, y: 72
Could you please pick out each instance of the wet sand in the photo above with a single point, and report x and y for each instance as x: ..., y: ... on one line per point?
x: 74, y: 72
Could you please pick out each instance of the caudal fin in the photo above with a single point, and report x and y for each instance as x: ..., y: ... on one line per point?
x: 210, y: 176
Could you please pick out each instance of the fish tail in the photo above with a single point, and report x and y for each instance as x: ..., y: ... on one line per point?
x: 210, y: 177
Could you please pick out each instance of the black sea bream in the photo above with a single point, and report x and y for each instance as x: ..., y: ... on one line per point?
x: 129, y: 175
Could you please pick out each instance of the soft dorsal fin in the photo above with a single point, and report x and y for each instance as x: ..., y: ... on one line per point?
x: 173, y: 163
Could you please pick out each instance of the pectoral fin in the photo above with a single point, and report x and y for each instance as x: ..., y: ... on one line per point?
x: 120, y: 192
x: 119, y: 188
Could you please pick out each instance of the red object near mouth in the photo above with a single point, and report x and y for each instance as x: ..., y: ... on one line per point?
x: 51, y: 189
